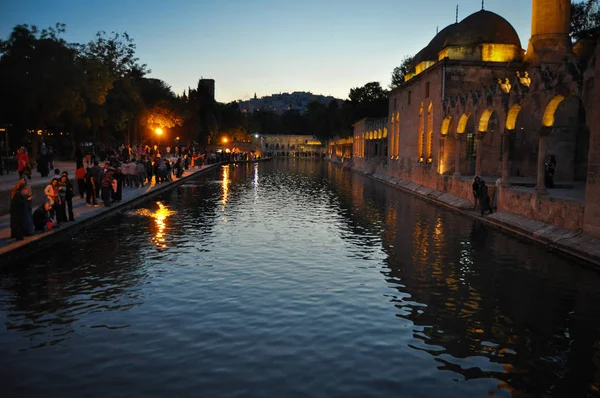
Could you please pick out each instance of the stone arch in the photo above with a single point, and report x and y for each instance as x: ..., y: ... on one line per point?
x: 511, y: 117
x: 568, y: 139
x: 446, y: 147
x: 396, y: 134
x: 484, y: 120
x: 489, y: 143
x: 462, y: 122
x: 468, y: 145
x: 429, y: 144
x: 445, y: 128
x: 549, y: 112
x: 421, y: 142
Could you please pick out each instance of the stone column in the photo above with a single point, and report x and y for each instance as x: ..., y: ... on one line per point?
x: 540, y: 188
x: 505, y: 152
x: 479, y: 137
x: 457, y: 145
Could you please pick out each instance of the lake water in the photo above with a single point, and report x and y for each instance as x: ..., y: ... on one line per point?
x: 295, y: 278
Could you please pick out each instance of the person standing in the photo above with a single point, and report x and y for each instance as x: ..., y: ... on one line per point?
x: 80, y: 177
x: 107, y: 186
x: 476, y: 184
x: 96, y: 172
x: 550, y: 169
x: 90, y: 188
x: 26, y: 192
x: 70, y: 193
x: 17, y: 212
x: 484, y: 198
x: 23, y: 166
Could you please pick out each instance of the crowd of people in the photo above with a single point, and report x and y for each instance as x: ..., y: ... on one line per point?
x: 96, y: 185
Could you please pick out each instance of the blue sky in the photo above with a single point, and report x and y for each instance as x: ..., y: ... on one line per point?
x: 264, y: 46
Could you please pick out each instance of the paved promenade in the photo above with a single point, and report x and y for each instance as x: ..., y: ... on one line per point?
x: 574, y: 243
x: 83, y: 214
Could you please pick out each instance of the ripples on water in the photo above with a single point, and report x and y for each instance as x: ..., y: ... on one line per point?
x: 297, y: 279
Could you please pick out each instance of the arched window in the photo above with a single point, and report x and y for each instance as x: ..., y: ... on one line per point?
x: 421, y: 134
x: 430, y: 133
x: 397, y: 133
x: 392, y: 137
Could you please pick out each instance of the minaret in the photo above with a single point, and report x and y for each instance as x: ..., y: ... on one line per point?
x: 550, y: 26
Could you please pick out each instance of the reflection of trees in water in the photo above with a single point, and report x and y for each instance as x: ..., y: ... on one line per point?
x: 100, y: 270
x: 473, y: 292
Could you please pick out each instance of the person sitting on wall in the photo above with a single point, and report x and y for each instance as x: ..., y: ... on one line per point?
x: 42, y: 219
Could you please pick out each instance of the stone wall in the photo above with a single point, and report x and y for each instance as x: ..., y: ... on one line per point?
x: 591, y: 223
x: 563, y: 213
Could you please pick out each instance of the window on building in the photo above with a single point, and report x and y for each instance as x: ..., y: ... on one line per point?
x: 427, y: 90
x: 421, y: 134
x: 429, y: 146
x: 395, y: 103
x: 471, y: 147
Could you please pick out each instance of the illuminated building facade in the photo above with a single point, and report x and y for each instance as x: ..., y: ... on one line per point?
x: 475, y: 103
x: 292, y: 145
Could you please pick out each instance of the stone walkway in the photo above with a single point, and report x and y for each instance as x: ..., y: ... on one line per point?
x: 84, y: 213
x: 574, y: 243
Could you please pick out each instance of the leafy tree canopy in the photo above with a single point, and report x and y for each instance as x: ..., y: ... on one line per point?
x: 400, y: 71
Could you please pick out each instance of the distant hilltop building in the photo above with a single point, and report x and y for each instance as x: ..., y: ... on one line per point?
x: 279, y: 103
x: 209, y: 85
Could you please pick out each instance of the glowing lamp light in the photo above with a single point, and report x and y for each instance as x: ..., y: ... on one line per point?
x: 225, y: 140
x: 255, y: 135
x: 159, y: 131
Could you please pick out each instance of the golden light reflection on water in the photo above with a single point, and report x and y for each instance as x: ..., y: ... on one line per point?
x: 160, y: 216
x: 225, y: 183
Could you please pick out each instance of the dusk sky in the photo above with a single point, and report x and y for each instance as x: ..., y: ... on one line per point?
x: 264, y: 46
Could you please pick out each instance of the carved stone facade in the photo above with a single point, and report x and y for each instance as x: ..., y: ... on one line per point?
x: 460, y: 117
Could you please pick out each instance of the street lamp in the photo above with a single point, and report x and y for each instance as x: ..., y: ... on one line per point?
x: 159, y: 132
x: 224, y: 140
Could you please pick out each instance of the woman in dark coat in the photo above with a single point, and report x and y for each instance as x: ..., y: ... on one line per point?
x: 28, y: 213
x: 484, y: 198
x: 17, y: 212
x: 476, y: 184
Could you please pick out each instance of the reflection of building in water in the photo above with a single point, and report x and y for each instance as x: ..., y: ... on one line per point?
x: 292, y: 145
x: 481, y: 308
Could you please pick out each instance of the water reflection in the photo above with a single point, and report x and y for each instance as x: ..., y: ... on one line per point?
x: 351, y: 286
x: 225, y: 182
x: 159, y: 215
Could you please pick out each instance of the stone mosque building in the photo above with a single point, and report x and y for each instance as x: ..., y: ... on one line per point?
x: 474, y: 102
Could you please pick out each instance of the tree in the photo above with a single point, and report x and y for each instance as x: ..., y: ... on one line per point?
x: 43, y: 81
x: 370, y: 100
x: 400, y: 72
x: 585, y: 19
x: 117, y: 52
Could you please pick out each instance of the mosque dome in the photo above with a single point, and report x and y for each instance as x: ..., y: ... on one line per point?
x: 483, y: 27
x: 483, y: 36
x: 430, y: 52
